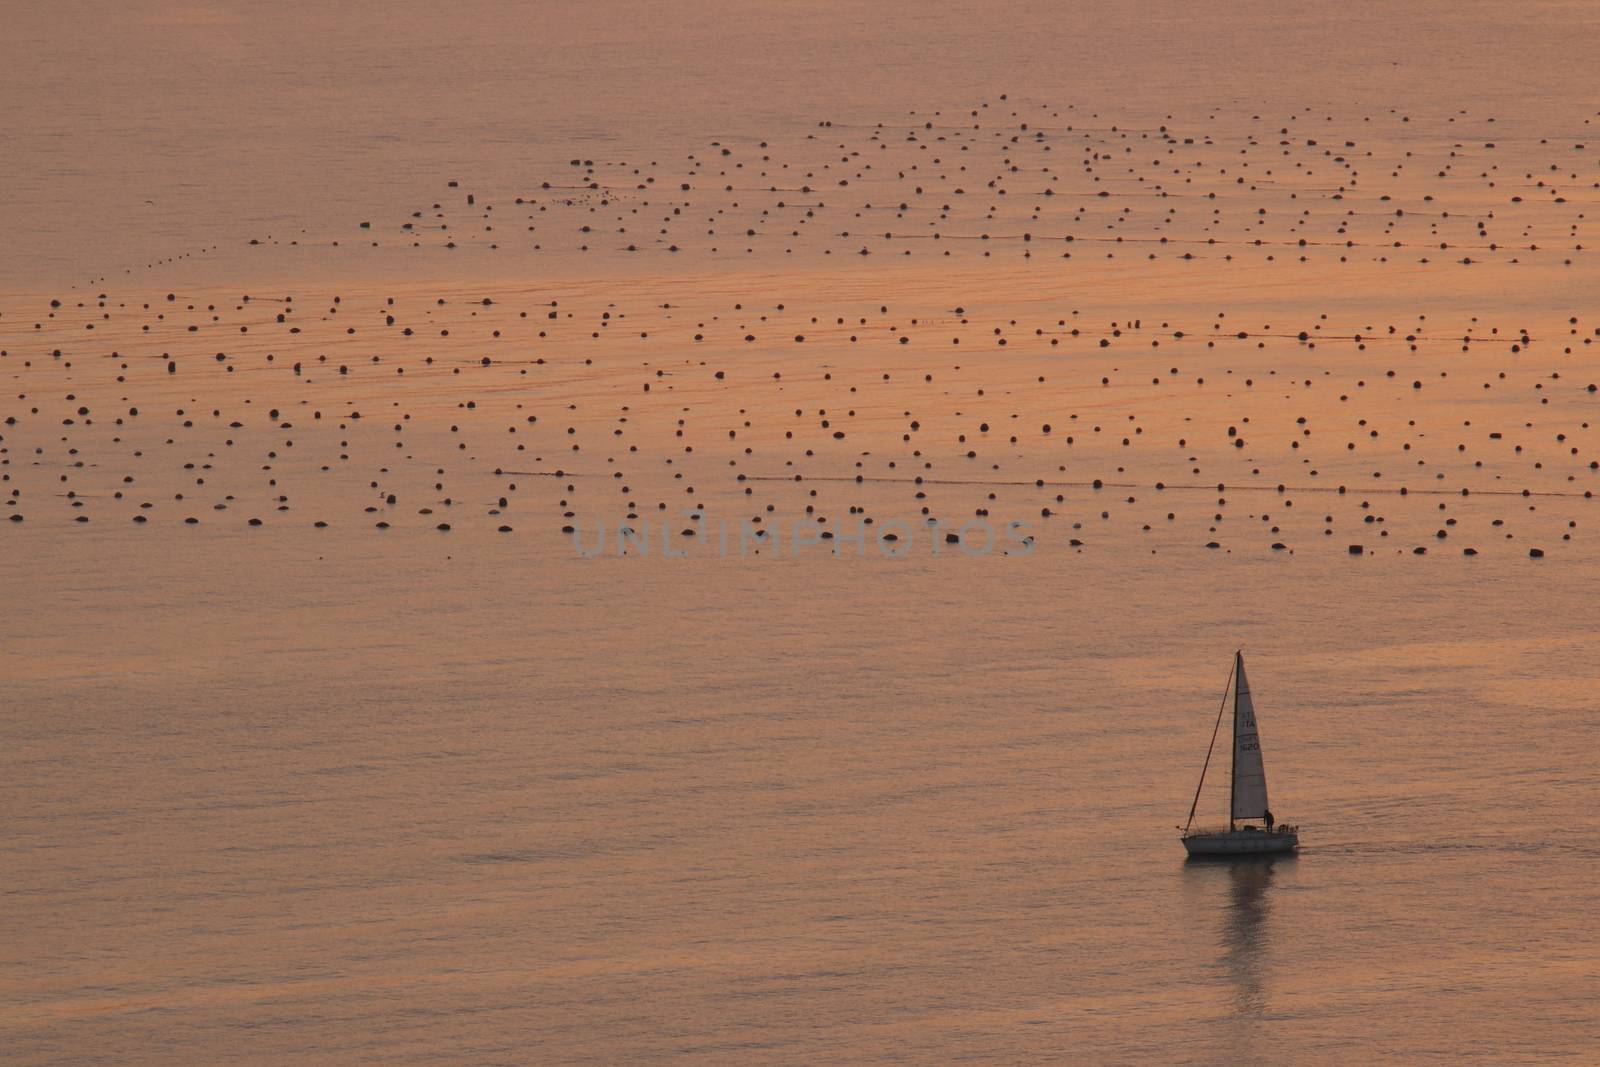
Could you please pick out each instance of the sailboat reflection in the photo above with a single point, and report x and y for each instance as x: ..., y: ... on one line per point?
x: 1245, y: 932
x: 1246, y: 928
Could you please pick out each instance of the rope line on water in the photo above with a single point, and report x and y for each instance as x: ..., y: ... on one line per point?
x: 1098, y: 483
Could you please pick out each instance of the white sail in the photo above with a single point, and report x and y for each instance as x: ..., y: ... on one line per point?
x: 1249, y: 776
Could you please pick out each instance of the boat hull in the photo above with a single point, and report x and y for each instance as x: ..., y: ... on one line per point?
x: 1240, y: 843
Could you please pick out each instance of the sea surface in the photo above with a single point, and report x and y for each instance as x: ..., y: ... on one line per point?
x: 333, y: 732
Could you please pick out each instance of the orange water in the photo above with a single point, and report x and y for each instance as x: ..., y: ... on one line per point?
x: 342, y: 793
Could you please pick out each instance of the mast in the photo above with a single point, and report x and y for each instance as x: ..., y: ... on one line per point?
x: 1233, y: 766
x: 1209, y: 749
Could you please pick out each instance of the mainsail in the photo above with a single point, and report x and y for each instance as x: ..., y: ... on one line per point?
x: 1249, y: 776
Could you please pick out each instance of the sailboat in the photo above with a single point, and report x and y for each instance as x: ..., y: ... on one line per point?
x: 1247, y: 796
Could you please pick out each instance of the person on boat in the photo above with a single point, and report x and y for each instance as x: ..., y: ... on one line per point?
x: 1266, y: 816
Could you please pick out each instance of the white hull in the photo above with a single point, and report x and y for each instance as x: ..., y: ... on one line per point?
x: 1240, y: 842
